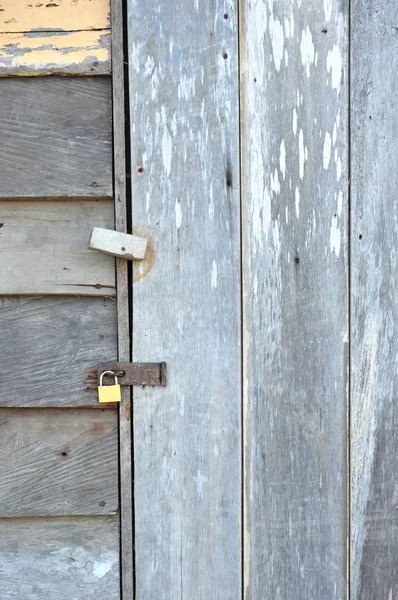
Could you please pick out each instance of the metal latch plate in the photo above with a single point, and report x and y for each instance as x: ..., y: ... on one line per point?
x: 138, y: 374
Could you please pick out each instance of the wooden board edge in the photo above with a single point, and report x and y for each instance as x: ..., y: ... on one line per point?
x: 122, y: 299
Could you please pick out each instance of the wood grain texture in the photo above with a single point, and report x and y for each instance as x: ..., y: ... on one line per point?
x: 58, y: 462
x: 59, y: 15
x: 374, y: 312
x: 55, y: 53
x: 123, y: 302
x: 185, y: 187
x: 294, y: 184
x: 56, y: 137
x: 65, y: 558
x: 47, y: 345
x: 44, y: 248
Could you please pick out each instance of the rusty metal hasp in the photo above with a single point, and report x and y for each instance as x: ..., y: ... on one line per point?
x: 138, y: 374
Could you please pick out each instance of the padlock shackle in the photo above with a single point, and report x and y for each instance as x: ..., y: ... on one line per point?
x: 109, y: 373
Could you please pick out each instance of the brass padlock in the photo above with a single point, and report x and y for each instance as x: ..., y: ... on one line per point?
x: 109, y: 393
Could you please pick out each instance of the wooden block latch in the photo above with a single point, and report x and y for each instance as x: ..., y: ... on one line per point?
x: 123, y: 245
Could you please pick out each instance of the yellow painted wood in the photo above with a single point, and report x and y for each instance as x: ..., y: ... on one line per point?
x: 54, y: 37
x: 44, y: 15
x: 77, y: 52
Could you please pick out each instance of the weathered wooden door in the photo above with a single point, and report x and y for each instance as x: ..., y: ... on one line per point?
x: 264, y: 168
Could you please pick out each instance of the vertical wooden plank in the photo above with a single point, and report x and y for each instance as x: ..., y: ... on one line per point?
x: 123, y: 319
x: 374, y: 313
x: 294, y: 190
x: 185, y: 177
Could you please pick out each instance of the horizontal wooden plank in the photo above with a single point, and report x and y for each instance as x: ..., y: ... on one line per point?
x: 62, y: 15
x: 44, y: 248
x: 47, y: 345
x: 58, y: 462
x: 63, y: 559
x: 60, y: 53
x: 56, y: 138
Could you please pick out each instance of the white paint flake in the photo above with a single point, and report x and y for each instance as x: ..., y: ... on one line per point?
x: 286, y: 57
x: 186, y: 87
x: 286, y: 23
x: 334, y: 136
x: 335, y: 236
x: 275, y: 185
x: 340, y: 203
x: 327, y: 148
x: 178, y: 214
x: 291, y: 22
x: 255, y: 285
x: 338, y: 168
x: 100, y: 569
x: 327, y: 7
x: 334, y: 66
x: 211, y: 201
x: 297, y: 201
x: 167, y: 145
x: 104, y: 566
x: 301, y: 154
x: 277, y: 38
x: 294, y: 125
x: 200, y: 479
x: 214, y: 275
x: 282, y: 158
x: 307, y: 50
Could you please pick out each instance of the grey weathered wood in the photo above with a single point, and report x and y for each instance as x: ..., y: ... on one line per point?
x: 185, y: 187
x: 44, y: 248
x: 374, y: 312
x: 65, y: 558
x: 48, y: 344
x: 56, y: 137
x: 58, y: 462
x: 294, y: 193
x: 122, y: 299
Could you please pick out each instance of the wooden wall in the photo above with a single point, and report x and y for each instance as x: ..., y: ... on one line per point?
x: 59, y: 491
x: 263, y: 173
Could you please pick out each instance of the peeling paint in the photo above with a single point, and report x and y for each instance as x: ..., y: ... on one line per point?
x: 277, y: 38
x: 335, y: 236
x: 82, y: 52
x: 66, y: 15
x: 282, y: 158
x: 301, y: 154
x: 294, y: 124
x: 214, y: 275
x: 334, y: 66
x: 307, y: 50
x: 327, y: 147
x: 297, y: 201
